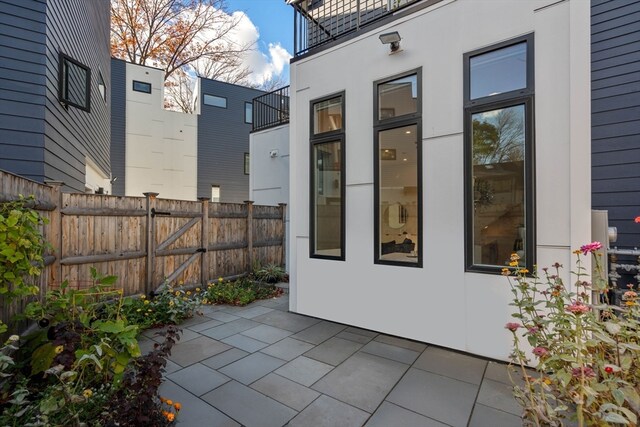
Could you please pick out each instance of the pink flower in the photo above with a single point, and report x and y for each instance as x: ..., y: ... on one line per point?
x: 578, y: 308
x: 629, y: 295
x: 540, y: 351
x: 512, y: 326
x: 586, y: 371
x: 590, y: 248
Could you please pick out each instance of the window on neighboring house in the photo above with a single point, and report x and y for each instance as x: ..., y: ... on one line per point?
x: 327, y: 233
x: 398, y: 170
x: 143, y: 87
x: 248, y: 112
x: 215, y: 193
x: 214, y: 101
x: 102, y: 87
x: 246, y: 163
x: 499, y: 155
x: 74, y: 83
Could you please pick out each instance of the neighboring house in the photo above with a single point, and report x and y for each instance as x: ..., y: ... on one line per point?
x: 179, y: 155
x: 54, y: 82
x: 417, y: 168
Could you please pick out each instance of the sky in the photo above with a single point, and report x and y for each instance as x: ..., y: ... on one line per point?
x: 270, y: 23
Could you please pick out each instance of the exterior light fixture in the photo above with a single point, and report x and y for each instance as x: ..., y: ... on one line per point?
x: 393, y: 39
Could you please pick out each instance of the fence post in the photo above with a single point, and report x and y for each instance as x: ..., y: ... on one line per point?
x: 204, y: 260
x: 150, y: 243
x: 249, y: 204
x: 283, y: 209
x: 54, y: 237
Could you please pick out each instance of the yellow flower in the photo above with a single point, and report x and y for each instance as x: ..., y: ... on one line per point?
x: 197, y: 289
x: 177, y: 293
x: 513, y: 264
x: 188, y: 292
x: 142, y: 296
x: 87, y: 393
x: 630, y: 303
x: 59, y: 349
x: 185, y: 299
x: 220, y: 279
x: 524, y: 271
x: 146, y: 302
x: 170, y: 303
x: 547, y: 381
x: 139, y: 309
x: 506, y: 272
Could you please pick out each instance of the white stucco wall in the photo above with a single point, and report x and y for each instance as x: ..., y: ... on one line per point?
x: 95, y: 178
x: 161, y: 145
x: 269, y: 175
x: 441, y: 303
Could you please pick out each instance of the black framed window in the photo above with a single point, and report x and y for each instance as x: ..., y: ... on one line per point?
x: 74, y: 83
x: 246, y: 163
x: 327, y: 172
x: 214, y: 101
x: 143, y: 87
x: 499, y: 155
x: 102, y: 87
x: 398, y: 170
x: 248, y: 112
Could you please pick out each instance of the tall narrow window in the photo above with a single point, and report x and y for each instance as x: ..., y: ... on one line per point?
x: 499, y: 175
x: 215, y: 193
x: 74, y: 81
x: 248, y: 112
x: 327, y: 178
x: 398, y: 170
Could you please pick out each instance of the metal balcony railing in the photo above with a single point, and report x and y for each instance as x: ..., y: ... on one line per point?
x: 317, y: 22
x: 271, y: 109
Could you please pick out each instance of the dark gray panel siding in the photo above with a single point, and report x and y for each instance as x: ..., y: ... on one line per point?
x: 615, y: 119
x: 22, y: 86
x: 118, y: 124
x: 223, y: 138
x: 79, y: 29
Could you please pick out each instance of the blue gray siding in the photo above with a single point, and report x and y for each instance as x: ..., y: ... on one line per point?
x: 223, y: 138
x: 615, y: 127
x: 118, y: 124
x: 22, y: 86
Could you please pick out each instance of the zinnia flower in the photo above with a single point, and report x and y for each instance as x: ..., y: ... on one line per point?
x: 540, y: 351
x: 586, y: 371
x: 87, y: 393
x: 590, y: 247
x: 629, y: 295
x: 512, y: 326
x: 578, y: 308
x: 637, y: 220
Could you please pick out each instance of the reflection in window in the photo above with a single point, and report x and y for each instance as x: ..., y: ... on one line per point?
x: 246, y: 163
x: 327, y: 199
x: 215, y: 193
x: 499, y: 71
x: 398, y: 97
x: 498, y: 185
x: 214, y: 101
x: 248, y: 112
x: 327, y: 115
x: 75, y: 83
x: 398, y: 195
x: 141, y: 87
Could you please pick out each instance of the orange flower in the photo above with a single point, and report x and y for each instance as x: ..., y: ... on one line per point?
x: 178, y: 406
x: 171, y: 417
x: 169, y: 402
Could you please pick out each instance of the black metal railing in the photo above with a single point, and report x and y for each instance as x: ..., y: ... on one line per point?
x: 271, y: 109
x: 317, y: 22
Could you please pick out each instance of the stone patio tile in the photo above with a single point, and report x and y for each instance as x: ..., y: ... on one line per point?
x: 252, y: 367
x: 208, y: 309
x: 234, y: 309
x: 288, y: 321
x: 244, y: 343
x: 210, y: 323
x: 231, y: 328
x: 363, y: 332
x: 484, y: 416
x: 444, y: 399
x: 399, y: 354
x: 363, y: 380
x: 450, y: 364
x: 333, y: 351
x: 252, y: 312
x: 328, y: 412
x: 194, y: 320
x: 287, y: 349
x: 223, y: 359
x: 499, y: 396
x: 248, y: 406
x: 319, y: 332
x: 271, y: 302
x: 198, y: 379
x: 389, y: 414
x: 171, y: 367
x: 190, y: 352
x: 500, y: 372
x: 195, y: 412
x: 223, y: 316
x: 146, y: 344
x: 354, y: 337
x: 401, y: 342
x: 266, y: 333
x: 304, y: 371
x: 281, y: 307
x: 185, y: 334
x: 285, y: 391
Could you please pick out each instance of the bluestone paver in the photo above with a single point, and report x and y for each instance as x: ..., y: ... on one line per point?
x: 442, y: 398
x: 454, y: 365
x: 354, y: 337
x: 401, y: 342
x: 193, y: 351
x: 287, y: 349
x: 231, y: 328
x: 252, y: 367
x: 252, y: 312
x: 222, y: 316
x: 333, y: 351
x: 248, y: 406
x: 392, y: 352
x: 389, y: 414
x: 328, y: 412
x: 362, y: 381
x: 244, y: 343
x: 224, y: 358
x: 319, y: 332
x: 198, y: 379
x: 267, y: 333
x: 288, y: 321
x: 483, y: 416
x: 210, y: 323
x: 304, y: 370
x: 363, y: 332
x: 499, y: 396
x: 285, y: 391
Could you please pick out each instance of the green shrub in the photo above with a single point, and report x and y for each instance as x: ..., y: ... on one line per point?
x: 270, y: 273
x: 168, y: 307
x: 240, y: 292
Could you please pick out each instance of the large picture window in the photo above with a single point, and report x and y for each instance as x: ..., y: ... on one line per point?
x: 398, y: 170
x: 327, y: 234
x: 499, y: 169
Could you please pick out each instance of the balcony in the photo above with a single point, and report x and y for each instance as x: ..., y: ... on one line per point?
x: 271, y: 109
x: 319, y: 22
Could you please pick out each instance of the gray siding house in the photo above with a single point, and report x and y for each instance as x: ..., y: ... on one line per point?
x: 54, y: 78
x: 615, y: 118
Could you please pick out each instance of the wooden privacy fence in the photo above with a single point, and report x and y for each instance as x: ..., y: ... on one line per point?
x: 147, y: 241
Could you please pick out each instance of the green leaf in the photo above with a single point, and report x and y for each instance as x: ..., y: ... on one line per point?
x: 110, y: 326
x: 42, y: 358
x: 614, y: 417
x: 108, y: 280
x: 49, y: 405
x: 632, y: 398
x: 618, y: 395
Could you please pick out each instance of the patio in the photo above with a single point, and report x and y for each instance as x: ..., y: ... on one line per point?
x: 260, y: 365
